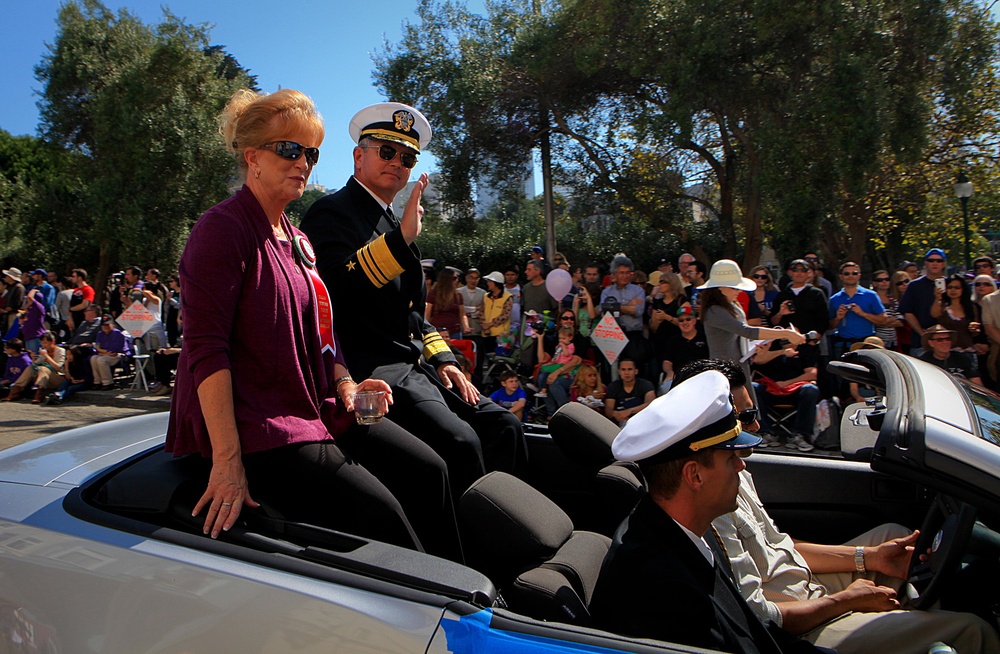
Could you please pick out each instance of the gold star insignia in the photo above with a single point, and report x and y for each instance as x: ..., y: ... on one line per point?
x: 350, y: 266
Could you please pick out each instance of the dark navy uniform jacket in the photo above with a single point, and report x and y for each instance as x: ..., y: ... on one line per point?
x: 375, y: 280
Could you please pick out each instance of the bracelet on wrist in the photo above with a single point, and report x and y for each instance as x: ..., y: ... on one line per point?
x: 859, y: 560
x: 341, y: 380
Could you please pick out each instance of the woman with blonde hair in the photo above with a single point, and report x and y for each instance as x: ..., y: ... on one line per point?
x: 587, y: 387
x: 263, y: 402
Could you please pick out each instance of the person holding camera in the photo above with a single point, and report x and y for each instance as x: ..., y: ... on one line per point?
x: 855, y: 311
x: 800, y: 304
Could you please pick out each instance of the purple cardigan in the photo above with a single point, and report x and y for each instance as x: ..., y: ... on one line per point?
x: 249, y: 308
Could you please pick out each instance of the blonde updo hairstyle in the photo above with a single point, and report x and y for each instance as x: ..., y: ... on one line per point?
x: 246, y: 122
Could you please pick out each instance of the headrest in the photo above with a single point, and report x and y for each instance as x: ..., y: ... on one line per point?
x: 583, y: 434
x: 512, y: 521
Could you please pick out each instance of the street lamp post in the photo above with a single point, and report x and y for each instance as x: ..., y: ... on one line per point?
x: 963, y: 191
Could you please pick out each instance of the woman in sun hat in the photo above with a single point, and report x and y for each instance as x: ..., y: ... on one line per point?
x: 726, y: 327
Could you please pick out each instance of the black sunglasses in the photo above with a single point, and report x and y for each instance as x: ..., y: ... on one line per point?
x: 567, y: 317
x: 292, y: 150
x: 881, y: 279
x: 748, y: 415
x: 934, y: 260
x: 759, y: 276
x: 902, y: 282
x: 984, y: 283
x: 388, y: 153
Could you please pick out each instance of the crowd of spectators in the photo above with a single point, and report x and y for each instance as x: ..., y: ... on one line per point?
x: 532, y: 352
x: 59, y: 341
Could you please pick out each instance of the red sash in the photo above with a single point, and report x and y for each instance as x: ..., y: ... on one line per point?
x: 306, y: 254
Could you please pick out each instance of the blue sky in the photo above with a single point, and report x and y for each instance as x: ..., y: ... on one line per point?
x: 322, y: 48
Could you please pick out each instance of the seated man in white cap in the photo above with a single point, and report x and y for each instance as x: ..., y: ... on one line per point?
x: 662, y: 579
x: 368, y: 257
x: 840, y: 609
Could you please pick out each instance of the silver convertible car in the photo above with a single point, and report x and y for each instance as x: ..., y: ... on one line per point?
x: 99, y: 553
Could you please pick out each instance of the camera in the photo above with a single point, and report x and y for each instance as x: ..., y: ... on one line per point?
x: 118, y: 278
x: 611, y: 306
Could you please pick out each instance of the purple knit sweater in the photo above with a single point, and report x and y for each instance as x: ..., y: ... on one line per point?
x: 249, y: 307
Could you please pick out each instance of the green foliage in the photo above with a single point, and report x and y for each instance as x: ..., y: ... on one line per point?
x: 507, y: 236
x: 296, y: 209
x: 134, y: 107
x: 787, y: 114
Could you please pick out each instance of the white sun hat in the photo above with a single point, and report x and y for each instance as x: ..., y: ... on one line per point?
x: 726, y: 273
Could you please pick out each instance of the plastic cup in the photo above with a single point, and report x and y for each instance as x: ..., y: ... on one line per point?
x: 368, y: 407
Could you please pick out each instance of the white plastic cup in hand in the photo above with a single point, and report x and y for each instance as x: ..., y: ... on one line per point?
x: 369, y: 406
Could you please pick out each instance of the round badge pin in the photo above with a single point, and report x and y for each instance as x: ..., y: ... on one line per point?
x: 305, y: 251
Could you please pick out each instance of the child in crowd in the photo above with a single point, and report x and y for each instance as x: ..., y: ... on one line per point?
x: 564, y: 353
x: 587, y: 388
x: 17, y: 361
x: 510, y: 395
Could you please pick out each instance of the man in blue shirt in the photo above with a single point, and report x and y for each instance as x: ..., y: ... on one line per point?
x: 854, y: 311
x: 39, y: 280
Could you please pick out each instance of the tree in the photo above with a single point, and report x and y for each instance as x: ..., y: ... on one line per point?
x: 785, y: 112
x: 136, y: 106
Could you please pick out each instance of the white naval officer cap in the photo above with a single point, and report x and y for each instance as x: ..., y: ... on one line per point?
x: 697, y: 414
x: 394, y: 122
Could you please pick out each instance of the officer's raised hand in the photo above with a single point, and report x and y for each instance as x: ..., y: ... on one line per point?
x: 413, y: 214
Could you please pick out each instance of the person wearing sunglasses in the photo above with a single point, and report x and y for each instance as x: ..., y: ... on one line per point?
x: 855, y: 311
x: 920, y: 296
x: 263, y: 401
x: 893, y: 320
x: 813, y: 590
x: 800, y: 303
x: 367, y: 254
x: 687, y: 345
x: 987, y: 341
x: 937, y: 342
x: 904, y: 333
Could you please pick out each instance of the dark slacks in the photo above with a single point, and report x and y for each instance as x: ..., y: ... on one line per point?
x: 471, y: 439
x: 378, y: 482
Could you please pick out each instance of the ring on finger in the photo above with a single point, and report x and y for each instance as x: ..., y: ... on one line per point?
x: 227, y: 504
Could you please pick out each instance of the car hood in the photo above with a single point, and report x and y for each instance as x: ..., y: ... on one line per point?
x: 69, y: 458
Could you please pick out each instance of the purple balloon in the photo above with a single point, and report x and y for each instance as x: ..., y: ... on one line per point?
x: 558, y: 283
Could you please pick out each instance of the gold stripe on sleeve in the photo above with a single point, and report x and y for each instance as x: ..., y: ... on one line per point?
x: 434, y: 345
x: 384, y: 260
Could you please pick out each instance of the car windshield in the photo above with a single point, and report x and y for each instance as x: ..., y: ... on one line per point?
x: 987, y: 406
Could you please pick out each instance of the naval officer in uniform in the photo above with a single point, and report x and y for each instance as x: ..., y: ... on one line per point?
x: 368, y: 257
x: 666, y: 576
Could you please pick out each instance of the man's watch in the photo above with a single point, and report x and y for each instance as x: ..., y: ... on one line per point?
x: 859, y: 560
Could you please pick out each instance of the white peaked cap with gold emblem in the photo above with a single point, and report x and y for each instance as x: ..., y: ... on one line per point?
x: 695, y: 415
x: 394, y: 122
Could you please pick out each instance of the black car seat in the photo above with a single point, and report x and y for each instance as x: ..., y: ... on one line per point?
x: 527, y: 546
x: 585, y: 437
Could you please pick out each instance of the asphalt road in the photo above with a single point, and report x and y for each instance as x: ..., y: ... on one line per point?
x: 22, y: 421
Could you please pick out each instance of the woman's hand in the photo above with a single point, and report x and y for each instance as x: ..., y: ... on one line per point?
x: 225, y: 496
x: 347, y: 390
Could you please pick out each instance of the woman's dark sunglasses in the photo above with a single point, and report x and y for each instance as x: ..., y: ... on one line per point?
x: 902, y: 282
x: 759, y: 276
x: 881, y: 279
x: 748, y: 415
x: 292, y: 150
x: 387, y: 152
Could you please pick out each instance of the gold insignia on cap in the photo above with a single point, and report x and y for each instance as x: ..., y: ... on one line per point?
x: 403, y: 120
